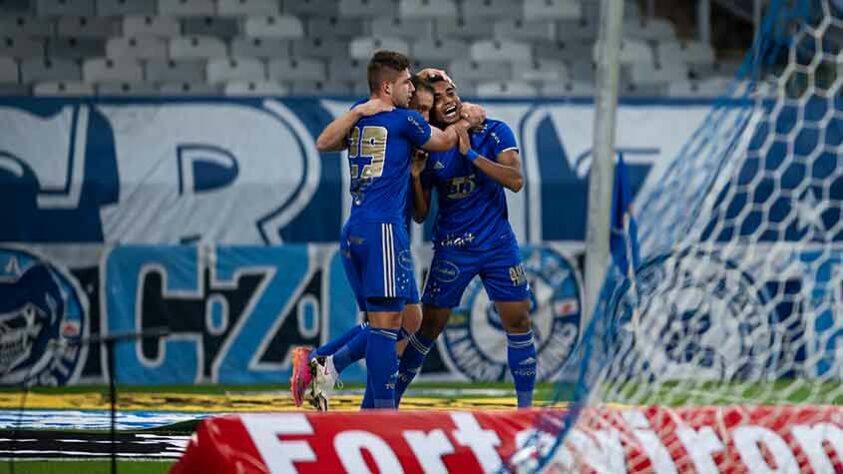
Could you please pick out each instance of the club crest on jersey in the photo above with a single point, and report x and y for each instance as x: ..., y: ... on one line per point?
x: 405, y: 259
x: 698, y: 316
x: 42, y: 313
x: 474, y: 342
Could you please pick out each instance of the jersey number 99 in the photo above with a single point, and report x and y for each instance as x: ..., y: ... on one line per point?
x: 368, y: 143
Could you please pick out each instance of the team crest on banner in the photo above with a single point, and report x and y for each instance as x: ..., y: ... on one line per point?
x: 474, y: 341
x: 43, y: 316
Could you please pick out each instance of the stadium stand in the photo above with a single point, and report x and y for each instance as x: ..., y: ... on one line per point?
x: 189, y: 46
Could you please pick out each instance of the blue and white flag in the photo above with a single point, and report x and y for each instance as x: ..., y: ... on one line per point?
x: 623, y: 242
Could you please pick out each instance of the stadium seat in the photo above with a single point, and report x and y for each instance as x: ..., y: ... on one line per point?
x: 579, y: 30
x: 210, y: 26
x: 40, y: 69
x: 318, y: 88
x: 20, y: 47
x: 26, y: 26
x: 360, y: 88
x: 75, y: 48
x: 492, y: 8
x: 62, y: 88
x: 312, y: 8
x: 151, y: 26
x: 289, y: 69
x: 9, y: 71
x: 126, y: 89
x: 197, y: 47
x: 500, y: 50
x: 65, y: 7
x: 518, y: 29
x: 364, y: 47
x: 644, y: 74
x: 506, y: 89
x: 427, y: 9
x: 692, y: 52
x: 142, y: 47
x: 186, y: 7
x: 461, y: 27
x: 347, y: 69
x: 439, y: 49
x: 544, y: 70
x: 585, y: 71
x: 475, y: 71
x: 222, y: 70
x: 322, y: 48
x: 630, y: 89
x: 16, y: 7
x: 247, y: 7
x: 400, y: 28
x: 552, y: 10
x: 188, y: 89
x: 126, y: 7
x: 567, y: 89
x: 367, y: 8
x: 174, y: 71
x: 321, y: 27
x: 87, y: 27
x: 715, y: 69
x: 259, y: 88
x: 561, y: 50
x: 14, y: 89
x: 260, y: 47
x: 632, y: 51
x: 111, y: 70
x: 653, y: 29
x: 284, y: 26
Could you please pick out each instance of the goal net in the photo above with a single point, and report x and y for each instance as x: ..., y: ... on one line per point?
x: 738, y: 301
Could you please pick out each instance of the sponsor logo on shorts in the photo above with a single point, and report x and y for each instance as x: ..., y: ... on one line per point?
x: 405, y: 260
x: 445, y: 271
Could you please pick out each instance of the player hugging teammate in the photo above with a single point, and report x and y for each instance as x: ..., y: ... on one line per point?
x: 469, y: 165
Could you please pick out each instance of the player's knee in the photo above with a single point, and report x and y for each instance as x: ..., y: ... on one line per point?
x: 411, y: 318
x: 515, y: 316
x: 433, y: 322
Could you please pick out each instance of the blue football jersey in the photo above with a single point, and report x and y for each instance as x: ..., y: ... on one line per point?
x: 472, y: 207
x: 379, y: 149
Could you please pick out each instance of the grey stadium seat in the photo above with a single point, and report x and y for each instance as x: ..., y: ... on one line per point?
x: 474, y: 71
x: 367, y: 8
x: 492, y: 8
x: 439, y: 49
x: 75, y: 48
x: 197, y: 47
x: 247, y: 7
x: 644, y: 74
x: 400, y: 28
x: 320, y: 27
x: 363, y: 47
x: 14, y: 89
x: 8, y: 71
x: 260, y: 47
x: 323, y: 48
x: 462, y: 27
x: 574, y: 50
x: 62, y: 88
x: 175, y: 71
x: 632, y: 51
x: 65, y: 7
x: 568, y: 30
x: 126, y: 7
x: 552, y: 10
x: 16, y: 7
x: 210, y: 26
x: 186, y: 7
x: 141, y: 47
x: 506, y: 89
x: 188, y: 89
x: 427, y: 8
x: 296, y: 70
x: 585, y: 71
x: 573, y: 88
x: 39, y: 70
x: 347, y: 69
x: 320, y: 88
x: 500, y: 50
x: 26, y: 26
x: 312, y: 8
x: 654, y: 29
x: 126, y: 89
x: 20, y: 47
x: 259, y: 88
x: 518, y: 29
x: 222, y: 70
x: 151, y: 26
x: 85, y: 27
x: 111, y: 70
x: 283, y: 26
x: 544, y: 70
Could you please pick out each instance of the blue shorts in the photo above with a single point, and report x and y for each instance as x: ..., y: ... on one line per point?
x: 379, y: 265
x: 500, y: 270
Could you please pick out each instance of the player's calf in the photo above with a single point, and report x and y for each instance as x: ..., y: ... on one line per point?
x: 520, y: 349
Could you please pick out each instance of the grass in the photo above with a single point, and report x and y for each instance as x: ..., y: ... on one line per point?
x: 88, y: 467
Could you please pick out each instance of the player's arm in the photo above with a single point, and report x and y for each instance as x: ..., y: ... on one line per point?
x: 506, y: 170
x: 333, y: 137
x: 421, y: 194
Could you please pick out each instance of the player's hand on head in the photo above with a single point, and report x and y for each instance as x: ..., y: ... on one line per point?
x: 418, y: 162
x: 473, y: 113
x: 374, y: 106
x: 431, y: 73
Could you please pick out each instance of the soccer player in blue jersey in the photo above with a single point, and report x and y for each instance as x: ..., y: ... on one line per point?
x: 374, y: 243
x: 329, y: 360
x: 472, y: 236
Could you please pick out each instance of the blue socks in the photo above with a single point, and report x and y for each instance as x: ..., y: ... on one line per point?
x: 411, y: 363
x: 353, y: 351
x: 382, y: 364
x: 521, y: 356
x: 331, y: 347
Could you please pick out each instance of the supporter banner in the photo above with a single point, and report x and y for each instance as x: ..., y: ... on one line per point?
x: 655, y: 439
